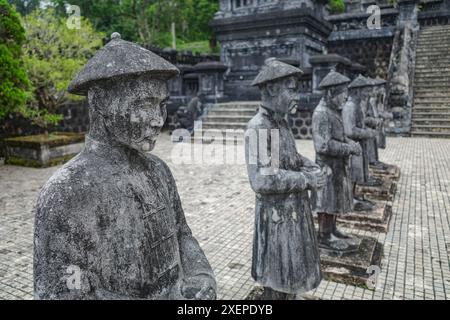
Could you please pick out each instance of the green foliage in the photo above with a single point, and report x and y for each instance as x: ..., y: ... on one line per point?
x: 336, y: 6
x: 195, y: 47
x: 149, y: 21
x: 13, y: 78
x: 53, y: 54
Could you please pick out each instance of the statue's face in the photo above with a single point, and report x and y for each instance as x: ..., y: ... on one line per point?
x: 137, y: 112
x: 338, y: 97
x: 285, y: 94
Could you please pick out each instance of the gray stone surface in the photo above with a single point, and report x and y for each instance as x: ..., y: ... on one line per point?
x: 285, y: 249
x: 109, y: 224
x: 355, y: 128
x: 333, y: 152
x: 416, y: 250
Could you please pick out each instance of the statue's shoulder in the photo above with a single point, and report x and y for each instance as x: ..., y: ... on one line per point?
x: 350, y: 103
x: 159, y: 166
x: 70, y: 186
x: 259, y: 121
x: 321, y: 111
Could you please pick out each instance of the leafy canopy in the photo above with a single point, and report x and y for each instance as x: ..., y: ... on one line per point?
x: 53, y: 54
x: 13, y: 78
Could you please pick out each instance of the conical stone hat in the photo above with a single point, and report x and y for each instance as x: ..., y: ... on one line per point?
x: 274, y: 69
x: 120, y: 58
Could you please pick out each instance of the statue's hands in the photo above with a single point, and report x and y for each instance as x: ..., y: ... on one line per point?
x: 355, y: 148
x: 199, y: 287
x: 316, y: 180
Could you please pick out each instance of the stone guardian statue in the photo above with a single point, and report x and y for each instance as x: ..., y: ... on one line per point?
x: 333, y: 152
x: 285, y: 250
x: 109, y: 224
x: 356, y: 130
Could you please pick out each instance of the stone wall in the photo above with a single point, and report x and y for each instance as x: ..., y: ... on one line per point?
x: 373, y: 53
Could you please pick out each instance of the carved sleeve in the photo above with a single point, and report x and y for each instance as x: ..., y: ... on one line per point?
x: 323, y: 139
x: 351, y: 130
x: 59, y: 253
x: 263, y: 169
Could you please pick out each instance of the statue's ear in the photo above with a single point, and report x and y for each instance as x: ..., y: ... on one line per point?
x: 271, y: 90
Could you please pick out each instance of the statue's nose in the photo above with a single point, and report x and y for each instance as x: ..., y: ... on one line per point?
x: 158, y: 122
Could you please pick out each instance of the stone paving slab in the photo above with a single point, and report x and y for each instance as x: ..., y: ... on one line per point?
x: 219, y: 207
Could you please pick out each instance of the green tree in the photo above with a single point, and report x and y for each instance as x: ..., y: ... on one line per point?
x: 13, y: 78
x: 149, y: 21
x: 336, y: 6
x: 53, y: 54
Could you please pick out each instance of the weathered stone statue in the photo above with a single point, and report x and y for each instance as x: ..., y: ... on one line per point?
x: 188, y: 115
x: 333, y: 152
x: 380, y: 92
x: 109, y: 224
x: 373, y: 120
x: 356, y: 130
x: 285, y: 251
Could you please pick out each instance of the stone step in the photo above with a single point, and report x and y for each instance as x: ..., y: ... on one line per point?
x: 421, y: 93
x: 434, y: 35
x: 419, y: 115
x: 431, y: 34
x: 433, y: 100
x: 220, y: 136
x: 429, y: 134
x: 429, y: 108
x: 232, y: 112
x: 439, y: 77
x: 238, y: 105
x: 438, y: 123
x: 439, y: 58
x: 436, y: 39
x: 228, y: 119
x: 430, y: 128
x: 428, y: 81
x: 432, y: 87
x: 420, y: 69
x: 229, y: 125
x: 235, y: 111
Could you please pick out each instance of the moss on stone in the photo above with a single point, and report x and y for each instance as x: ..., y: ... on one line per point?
x: 16, y: 161
x: 52, y: 140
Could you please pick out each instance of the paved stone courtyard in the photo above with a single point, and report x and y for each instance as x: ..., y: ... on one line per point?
x: 219, y: 207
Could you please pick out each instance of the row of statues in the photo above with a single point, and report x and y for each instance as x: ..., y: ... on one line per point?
x: 110, y: 224
x: 347, y: 128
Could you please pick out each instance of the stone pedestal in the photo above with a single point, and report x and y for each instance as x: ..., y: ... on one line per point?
x: 373, y: 220
x: 384, y: 192
x: 391, y: 172
x: 352, y: 269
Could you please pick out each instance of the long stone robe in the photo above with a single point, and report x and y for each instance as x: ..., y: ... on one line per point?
x: 285, y: 249
x: 356, y: 130
x: 119, y: 223
x: 373, y: 121
x: 332, y: 154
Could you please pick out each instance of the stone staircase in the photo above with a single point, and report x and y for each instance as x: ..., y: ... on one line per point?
x: 431, y: 110
x: 228, y: 116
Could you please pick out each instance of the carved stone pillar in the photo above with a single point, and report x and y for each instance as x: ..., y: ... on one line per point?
x: 402, y: 65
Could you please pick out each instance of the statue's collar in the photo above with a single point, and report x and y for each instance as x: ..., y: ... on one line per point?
x: 278, y: 117
x: 113, y: 153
